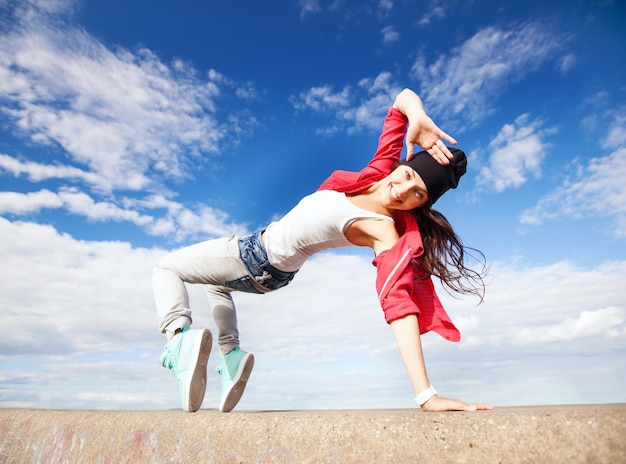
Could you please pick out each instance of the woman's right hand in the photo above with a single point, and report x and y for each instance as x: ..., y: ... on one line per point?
x: 440, y: 404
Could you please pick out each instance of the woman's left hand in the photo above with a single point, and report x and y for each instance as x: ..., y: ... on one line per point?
x: 440, y: 404
x: 422, y: 130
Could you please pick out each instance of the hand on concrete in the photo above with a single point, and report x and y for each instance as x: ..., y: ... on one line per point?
x: 439, y: 404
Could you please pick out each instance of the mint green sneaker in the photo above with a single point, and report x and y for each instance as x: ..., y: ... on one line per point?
x: 186, y: 354
x: 235, y: 369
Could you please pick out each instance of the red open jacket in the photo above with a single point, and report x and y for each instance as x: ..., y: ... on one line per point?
x: 402, y: 289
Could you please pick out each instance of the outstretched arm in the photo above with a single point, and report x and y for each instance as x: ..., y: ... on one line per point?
x: 422, y: 130
x: 406, y: 333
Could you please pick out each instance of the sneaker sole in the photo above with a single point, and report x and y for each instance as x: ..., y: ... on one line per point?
x: 197, y: 386
x: 239, y: 383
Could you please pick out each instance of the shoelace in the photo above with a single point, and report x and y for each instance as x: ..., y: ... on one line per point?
x: 166, y: 360
x: 223, y: 370
x: 220, y: 369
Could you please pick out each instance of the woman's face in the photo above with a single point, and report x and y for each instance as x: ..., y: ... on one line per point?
x: 403, y: 189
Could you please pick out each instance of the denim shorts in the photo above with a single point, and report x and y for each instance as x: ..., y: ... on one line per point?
x: 254, y: 256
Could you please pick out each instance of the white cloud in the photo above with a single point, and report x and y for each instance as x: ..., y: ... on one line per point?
x: 595, y: 189
x: 81, y: 315
x: 104, y: 120
x: 39, y: 171
x: 385, y: 5
x: 30, y: 7
x: 346, y: 11
x: 598, y: 323
x: 363, y: 106
x: 521, y: 297
x: 436, y: 11
x: 185, y: 222
x: 462, y: 86
x: 616, y: 136
x: 567, y: 63
x: 523, y: 302
x: 179, y: 221
x: 68, y: 296
x: 516, y: 152
x: 122, y: 116
x: 25, y: 203
x: 322, y: 98
x: 73, y: 201
x: 380, y: 93
x: 598, y: 190
x: 390, y: 34
x: 308, y: 7
x: 80, y: 203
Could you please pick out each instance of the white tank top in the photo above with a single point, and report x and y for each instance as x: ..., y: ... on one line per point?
x: 317, y: 223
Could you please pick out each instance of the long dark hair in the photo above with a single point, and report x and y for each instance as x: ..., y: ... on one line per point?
x: 445, y: 256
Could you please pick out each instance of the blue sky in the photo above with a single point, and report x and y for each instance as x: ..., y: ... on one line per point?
x: 128, y: 129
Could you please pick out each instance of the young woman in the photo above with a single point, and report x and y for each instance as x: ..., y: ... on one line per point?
x: 386, y: 207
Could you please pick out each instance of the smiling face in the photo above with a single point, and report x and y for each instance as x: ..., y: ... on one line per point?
x: 403, y: 189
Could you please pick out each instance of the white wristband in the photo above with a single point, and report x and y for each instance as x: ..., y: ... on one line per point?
x: 425, y: 395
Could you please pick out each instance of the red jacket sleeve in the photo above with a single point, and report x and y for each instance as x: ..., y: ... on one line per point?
x: 390, y: 145
x: 390, y: 142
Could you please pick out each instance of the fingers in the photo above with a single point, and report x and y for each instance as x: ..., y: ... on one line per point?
x: 410, y: 150
x: 484, y: 407
x: 449, y: 138
x: 470, y: 407
x: 440, y: 152
x: 440, y: 404
x: 476, y: 407
x: 432, y: 141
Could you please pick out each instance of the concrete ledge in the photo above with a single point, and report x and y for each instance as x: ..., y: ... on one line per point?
x: 547, y: 434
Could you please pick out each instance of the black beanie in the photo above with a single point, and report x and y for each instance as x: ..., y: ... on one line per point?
x: 438, y: 177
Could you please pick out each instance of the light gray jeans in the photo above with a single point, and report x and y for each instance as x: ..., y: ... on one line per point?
x: 222, y: 265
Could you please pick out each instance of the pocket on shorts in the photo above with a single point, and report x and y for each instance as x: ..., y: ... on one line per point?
x: 242, y: 284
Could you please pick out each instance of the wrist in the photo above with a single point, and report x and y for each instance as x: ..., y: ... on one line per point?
x: 426, y: 395
x: 409, y: 104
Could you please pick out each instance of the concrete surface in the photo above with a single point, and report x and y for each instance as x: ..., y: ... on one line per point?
x: 547, y: 434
